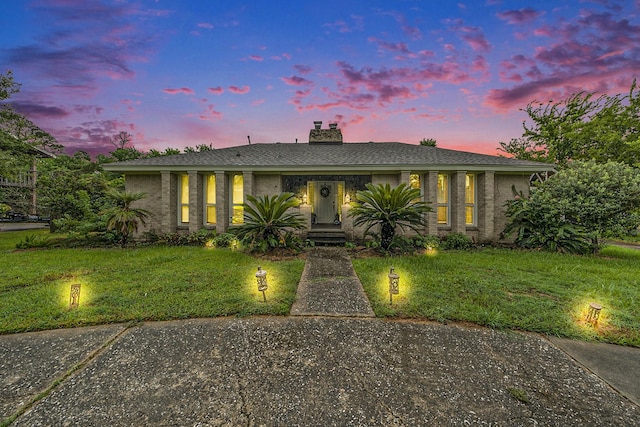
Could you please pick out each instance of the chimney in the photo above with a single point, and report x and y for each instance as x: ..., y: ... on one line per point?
x: 331, y: 136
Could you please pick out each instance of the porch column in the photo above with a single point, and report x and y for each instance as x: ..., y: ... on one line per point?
x: 486, y: 207
x: 458, y: 202
x: 431, y: 197
x: 196, y: 201
x: 248, y: 187
x: 405, y: 177
x: 168, y: 210
x: 222, y: 202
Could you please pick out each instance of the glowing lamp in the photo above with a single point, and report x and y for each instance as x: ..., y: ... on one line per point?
x: 261, y: 281
x: 394, y: 284
x: 594, y: 313
x: 74, y: 296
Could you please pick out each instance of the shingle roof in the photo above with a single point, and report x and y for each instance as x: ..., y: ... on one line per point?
x: 347, y: 156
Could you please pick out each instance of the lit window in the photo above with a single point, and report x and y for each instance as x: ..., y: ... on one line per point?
x: 470, y: 200
x: 184, y: 199
x: 414, y: 180
x: 443, y: 199
x: 237, y: 199
x: 210, y: 202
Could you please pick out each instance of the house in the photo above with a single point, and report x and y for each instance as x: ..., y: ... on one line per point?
x: 187, y: 192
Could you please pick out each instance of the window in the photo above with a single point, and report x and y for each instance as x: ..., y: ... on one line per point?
x: 183, y: 209
x: 470, y: 200
x: 443, y: 199
x: 210, y: 199
x: 414, y: 180
x: 237, y: 199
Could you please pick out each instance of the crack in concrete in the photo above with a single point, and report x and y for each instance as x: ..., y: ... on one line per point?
x: 57, y: 382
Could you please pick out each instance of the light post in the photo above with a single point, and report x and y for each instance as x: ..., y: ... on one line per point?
x: 74, y: 296
x: 394, y: 284
x: 261, y: 280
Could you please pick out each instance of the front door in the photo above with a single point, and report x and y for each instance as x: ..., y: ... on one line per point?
x: 324, y: 203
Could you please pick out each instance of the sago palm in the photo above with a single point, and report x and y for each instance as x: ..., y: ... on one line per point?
x: 267, y: 221
x: 389, y: 208
x: 123, y: 218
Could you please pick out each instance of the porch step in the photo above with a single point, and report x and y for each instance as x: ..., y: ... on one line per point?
x: 329, y: 237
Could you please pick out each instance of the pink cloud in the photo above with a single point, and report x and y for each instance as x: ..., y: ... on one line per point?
x: 296, y: 81
x: 302, y: 69
x: 210, y: 114
x: 239, y: 90
x: 256, y: 58
x: 205, y: 25
x: 392, y: 47
x: 215, y: 90
x: 520, y: 16
x: 258, y: 102
x: 176, y: 91
x: 475, y: 39
x: 286, y: 55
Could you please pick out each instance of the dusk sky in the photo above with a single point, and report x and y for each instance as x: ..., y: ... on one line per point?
x: 177, y: 73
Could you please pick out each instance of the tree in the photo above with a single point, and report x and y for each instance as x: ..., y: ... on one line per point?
x: 582, y: 127
x: 429, y: 142
x: 389, y: 208
x: 124, y: 218
x: 16, y: 124
x: 267, y: 222
x: 601, y: 198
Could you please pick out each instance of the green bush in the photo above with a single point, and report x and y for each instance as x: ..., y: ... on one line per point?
x: 34, y: 241
x: 457, y: 241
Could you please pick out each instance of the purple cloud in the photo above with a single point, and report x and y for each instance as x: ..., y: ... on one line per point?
x: 182, y: 90
x: 39, y: 111
x: 520, y: 16
x: 296, y: 81
x: 239, y: 90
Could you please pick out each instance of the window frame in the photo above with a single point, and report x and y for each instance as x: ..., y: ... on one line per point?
x: 207, y: 200
x: 183, y: 207
x: 447, y: 203
x: 474, y: 203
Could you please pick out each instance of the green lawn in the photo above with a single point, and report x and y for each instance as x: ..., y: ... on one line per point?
x: 147, y: 283
x: 532, y: 291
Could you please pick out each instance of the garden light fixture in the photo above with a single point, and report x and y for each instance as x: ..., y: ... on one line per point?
x: 261, y: 280
x: 394, y: 284
x: 594, y: 313
x: 74, y: 296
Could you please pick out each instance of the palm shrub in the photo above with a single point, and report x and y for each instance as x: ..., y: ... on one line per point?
x: 389, y: 208
x: 267, y: 222
x: 124, y: 218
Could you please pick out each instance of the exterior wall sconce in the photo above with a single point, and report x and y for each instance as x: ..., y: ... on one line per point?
x: 394, y: 284
x: 304, y: 199
x: 74, y: 296
x: 594, y: 313
x: 261, y: 280
x: 347, y: 198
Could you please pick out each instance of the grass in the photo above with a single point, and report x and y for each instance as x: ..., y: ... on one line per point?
x: 138, y: 284
x: 523, y: 290
x: 532, y: 291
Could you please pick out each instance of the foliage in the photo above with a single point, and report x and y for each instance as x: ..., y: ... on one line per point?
x: 456, y: 241
x: 74, y: 189
x: 537, y: 224
x: 389, y: 208
x: 582, y: 127
x: 124, y: 218
x: 4, y: 209
x: 533, y: 291
x: 601, y: 198
x: 34, y: 241
x: 268, y: 224
x: 430, y: 142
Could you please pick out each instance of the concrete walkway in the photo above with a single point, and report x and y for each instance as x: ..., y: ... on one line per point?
x: 330, y: 287
x: 329, y: 364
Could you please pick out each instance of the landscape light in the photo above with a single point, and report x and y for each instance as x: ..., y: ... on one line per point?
x: 261, y: 280
x: 394, y: 284
x: 74, y: 296
x: 594, y: 313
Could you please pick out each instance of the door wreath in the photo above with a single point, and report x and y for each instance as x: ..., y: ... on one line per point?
x: 324, y: 191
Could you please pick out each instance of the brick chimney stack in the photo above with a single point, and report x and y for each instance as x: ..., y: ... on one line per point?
x: 317, y: 135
